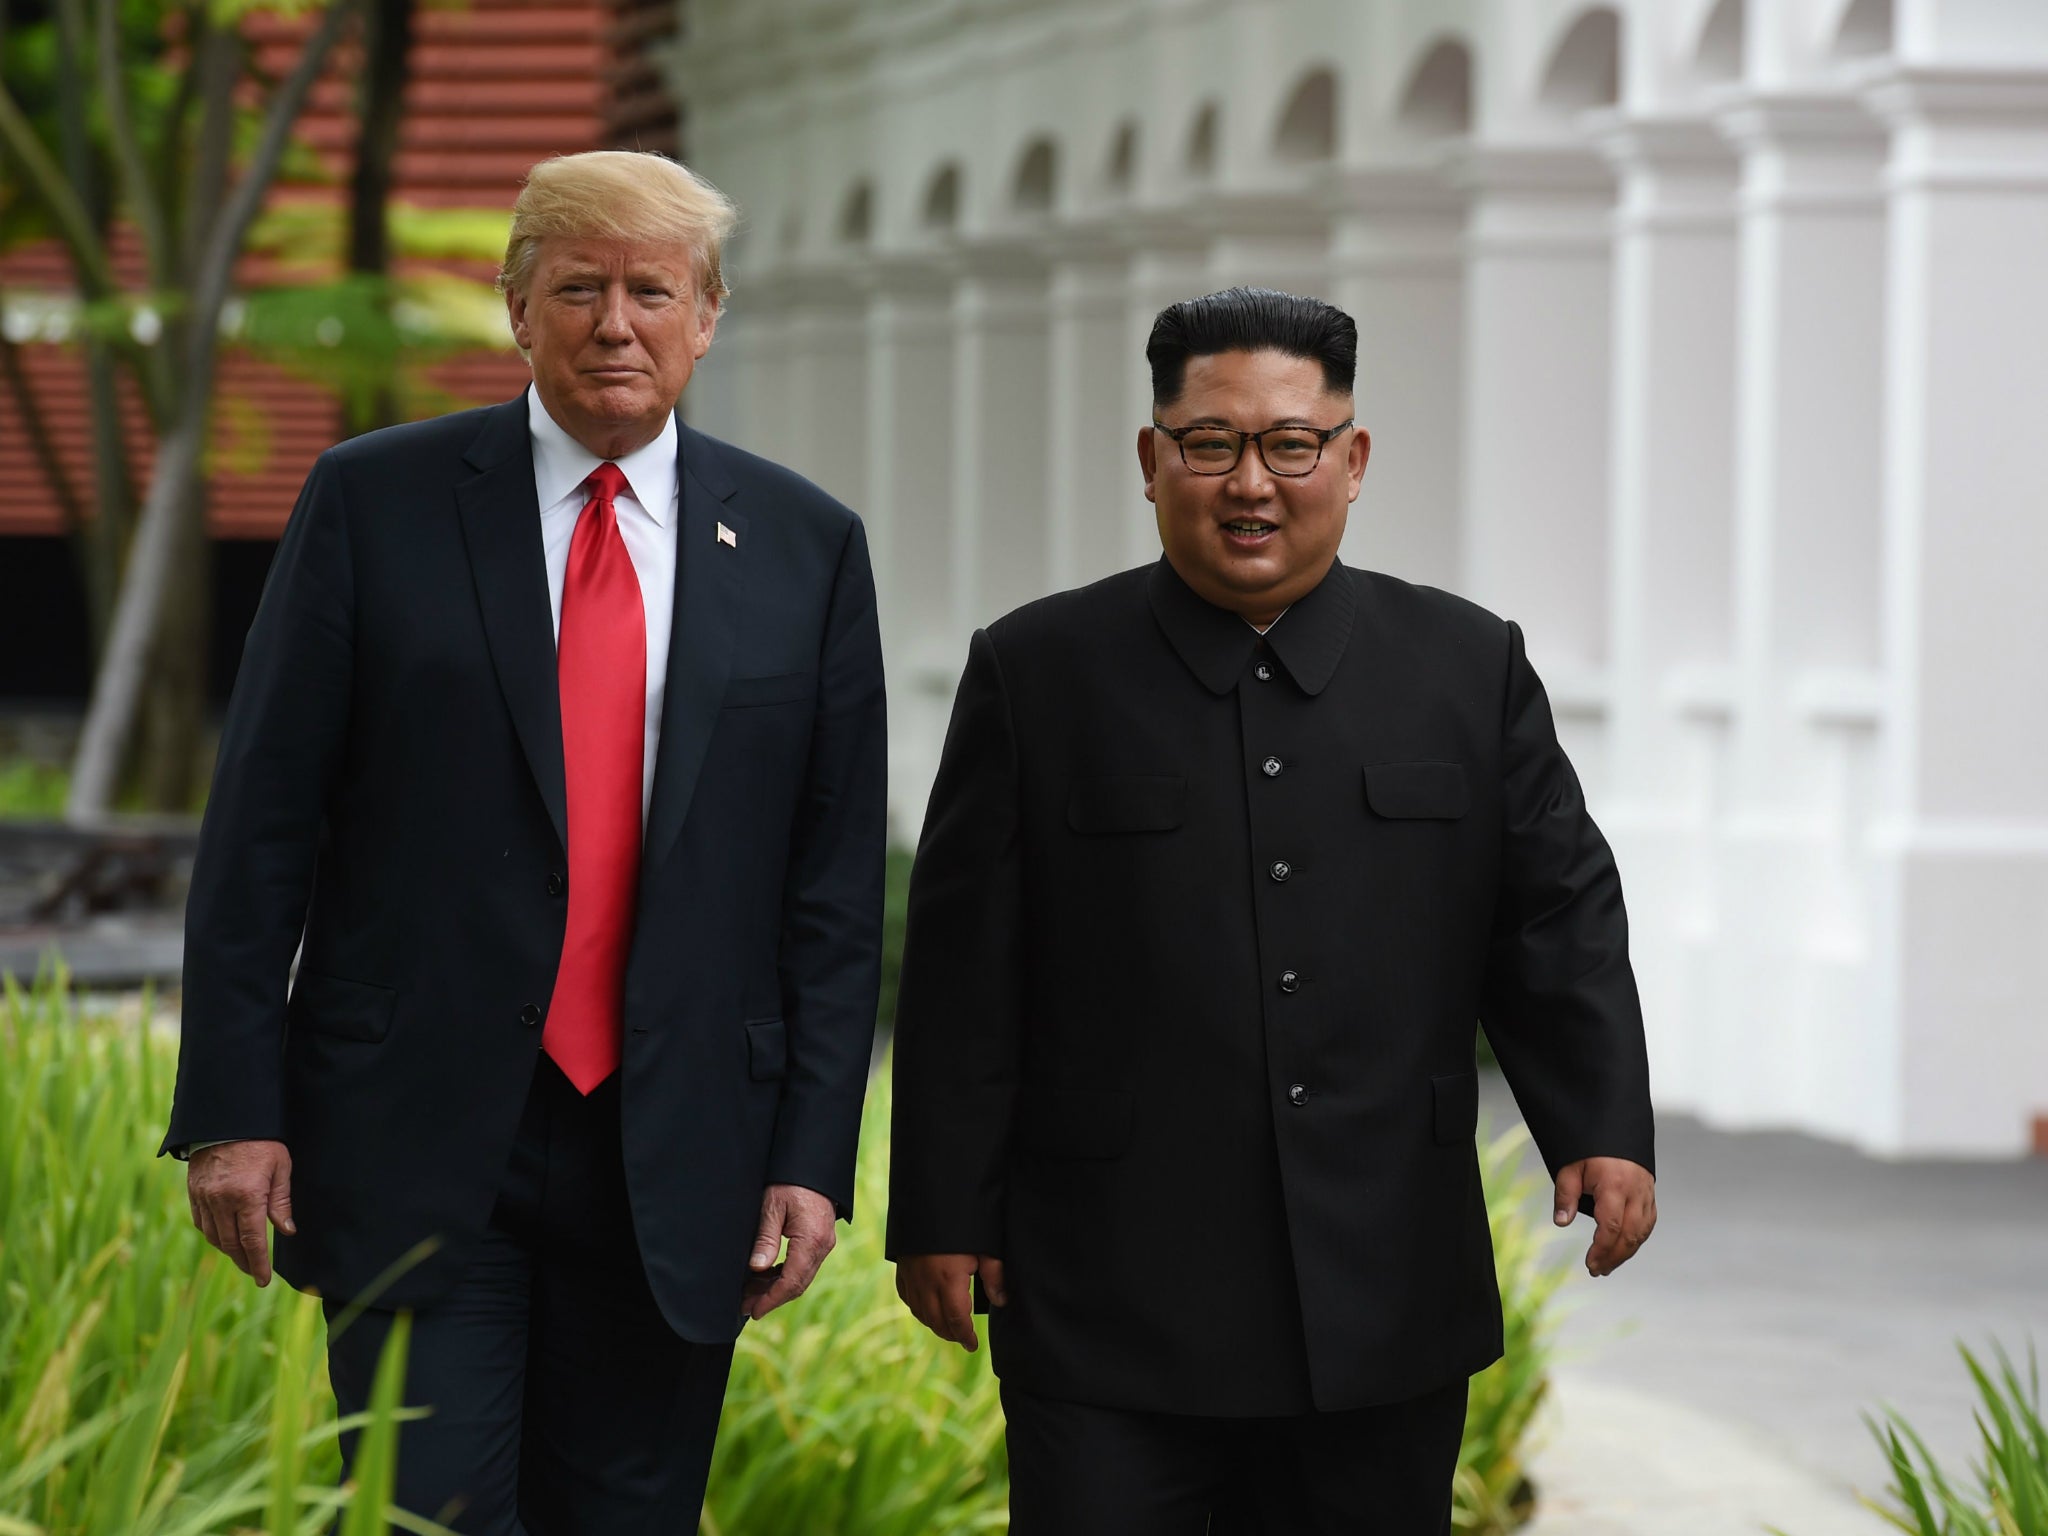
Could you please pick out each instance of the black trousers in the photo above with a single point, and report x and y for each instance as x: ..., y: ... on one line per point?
x: 1077, y: 1470
x: 563, y: 1403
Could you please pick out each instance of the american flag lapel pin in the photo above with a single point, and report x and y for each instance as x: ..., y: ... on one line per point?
x: 727, y: 536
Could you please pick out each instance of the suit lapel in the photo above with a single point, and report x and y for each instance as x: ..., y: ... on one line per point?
x: 501, y: 527
x: 710, y: 576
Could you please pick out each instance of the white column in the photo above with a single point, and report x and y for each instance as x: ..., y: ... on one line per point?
x: 909, y: 389
x: 826, y: 336
x: 1166, y: 266
x: 1000, y: 371
x: 760, y: 392
x: 1274, y: 240
x: 1671, y: 595
x: 1962, y: 846
x: 1095, y: 489
x: 1396, y: 267
x: 1790, y: 987
x: 1537, y: 360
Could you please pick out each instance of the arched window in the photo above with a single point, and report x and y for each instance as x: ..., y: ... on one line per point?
x: 1308, y: 123
x: 857, y: 214
x: 1866, y: 28
x: 1585, y: 68
x: 1121, y: 171
x: 1719, y: 53
x: 1201, y: 156
x: 942, y: 198
x: 1438, y: 99
x: 1037, y: 180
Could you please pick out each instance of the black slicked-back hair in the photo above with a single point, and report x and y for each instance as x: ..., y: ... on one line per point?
x: 1250, y: 320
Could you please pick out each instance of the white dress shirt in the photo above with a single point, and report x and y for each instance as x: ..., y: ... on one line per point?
x: 648, y: 513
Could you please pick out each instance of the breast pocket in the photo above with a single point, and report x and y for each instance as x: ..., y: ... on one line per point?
x: 1417, y: 791
x: 1127, y: 802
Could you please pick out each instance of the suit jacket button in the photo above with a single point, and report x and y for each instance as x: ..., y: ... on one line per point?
x: 1263, y: 673
x: 1281, y: 869
x: 556, y: 884
x: 530, y: 1015
x: 1272, y: 765
x: 1290, y: 981
x: 1297, y: 1095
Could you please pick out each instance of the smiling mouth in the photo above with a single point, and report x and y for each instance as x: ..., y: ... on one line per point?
x: 1249, y: 527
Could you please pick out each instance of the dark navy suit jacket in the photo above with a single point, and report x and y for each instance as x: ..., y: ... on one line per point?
x: 390, y: 789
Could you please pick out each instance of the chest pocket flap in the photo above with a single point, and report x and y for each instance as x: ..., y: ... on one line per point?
x: 1410, y: 790
x: 1127, y: 802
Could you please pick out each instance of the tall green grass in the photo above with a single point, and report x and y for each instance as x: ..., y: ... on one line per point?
x: 148, y: 1389
x: 2006, y: 1492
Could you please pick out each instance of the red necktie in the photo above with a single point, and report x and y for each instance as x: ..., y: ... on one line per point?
x: 601, y: 664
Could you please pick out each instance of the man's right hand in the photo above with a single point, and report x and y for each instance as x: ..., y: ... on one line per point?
x: 235, y: 1188
x: 938, y: 1288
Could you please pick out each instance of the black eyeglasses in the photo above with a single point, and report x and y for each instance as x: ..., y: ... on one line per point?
x: 1289, y: 451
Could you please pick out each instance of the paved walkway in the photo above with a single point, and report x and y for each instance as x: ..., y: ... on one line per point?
x: 1716, y: 1383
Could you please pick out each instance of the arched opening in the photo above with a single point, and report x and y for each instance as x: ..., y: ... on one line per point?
x: 1037, y: 180
x: 1718, y: 55
x: 1438, y: 99
x: 1308, y: 123
x: 1585, y: 68
x: 857, y: 214
x: 1121, y: 171
x: 1865, y: 29
x: 1201, y: 155
x: 942, y: 198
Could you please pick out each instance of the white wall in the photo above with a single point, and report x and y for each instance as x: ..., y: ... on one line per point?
x: 1706, y: 338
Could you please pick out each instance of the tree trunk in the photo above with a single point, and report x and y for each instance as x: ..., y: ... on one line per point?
x: 387, y: 49
x: 169, y: 508
x: 173, y: 720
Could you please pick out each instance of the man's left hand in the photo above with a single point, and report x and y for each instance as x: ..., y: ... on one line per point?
x: 1624, y: 1207
x: 806, y: 1218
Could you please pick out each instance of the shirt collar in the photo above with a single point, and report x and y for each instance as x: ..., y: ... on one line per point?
x: 561, y: 464
x: 1216, y: 644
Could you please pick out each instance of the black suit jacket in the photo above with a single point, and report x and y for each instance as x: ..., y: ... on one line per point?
x: 390, y: 785
x: 1199, y: 928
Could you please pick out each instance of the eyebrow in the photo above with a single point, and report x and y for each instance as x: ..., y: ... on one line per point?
x: 1285, y: 421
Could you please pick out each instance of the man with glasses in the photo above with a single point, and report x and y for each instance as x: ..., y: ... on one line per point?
x: 1224, y: 859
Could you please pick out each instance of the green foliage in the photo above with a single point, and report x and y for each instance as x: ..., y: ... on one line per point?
x: 2006, y: 1493
x: 32, y: 789
x: 147, y: 1388
x: 1494, y: 1494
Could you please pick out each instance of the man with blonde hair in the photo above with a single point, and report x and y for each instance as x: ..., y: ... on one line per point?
x: 557, y: 756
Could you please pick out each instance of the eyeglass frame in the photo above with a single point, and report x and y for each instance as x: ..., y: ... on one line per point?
x: 1322, y: 435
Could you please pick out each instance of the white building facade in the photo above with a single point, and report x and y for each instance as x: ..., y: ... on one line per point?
x: 1706, y: 338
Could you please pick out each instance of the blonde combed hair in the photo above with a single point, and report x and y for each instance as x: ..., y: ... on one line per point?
x: 620, y: 194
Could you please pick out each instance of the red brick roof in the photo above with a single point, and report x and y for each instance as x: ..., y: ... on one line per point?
x: 496, y: 85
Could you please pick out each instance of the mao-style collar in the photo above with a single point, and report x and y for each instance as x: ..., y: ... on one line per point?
x: 1307, y: 640
x: 561, y: 464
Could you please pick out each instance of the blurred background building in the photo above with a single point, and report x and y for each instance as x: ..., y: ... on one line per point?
x: 1707, y: 338
x: 485, y: 88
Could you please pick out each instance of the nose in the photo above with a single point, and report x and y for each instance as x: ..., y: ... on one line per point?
x: 614, y: 324
x: 1251, y: 480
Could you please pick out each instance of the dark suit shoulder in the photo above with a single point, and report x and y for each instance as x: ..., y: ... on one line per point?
x: 776, y: 487
x: 1428, y: 613
x: 440, y: 441
x: 1077, y: 619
